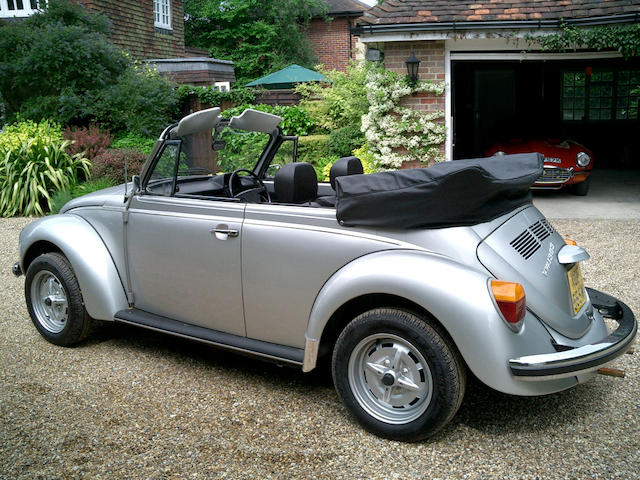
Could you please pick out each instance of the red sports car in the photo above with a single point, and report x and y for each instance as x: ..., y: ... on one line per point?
x: 566, y: 163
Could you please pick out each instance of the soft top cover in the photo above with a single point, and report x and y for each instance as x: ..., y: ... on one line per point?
x: 462, y: 192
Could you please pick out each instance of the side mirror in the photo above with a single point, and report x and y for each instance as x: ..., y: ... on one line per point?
x: 136, y: 183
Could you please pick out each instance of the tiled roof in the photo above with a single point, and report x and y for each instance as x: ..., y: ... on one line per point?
x: 338, y: 7
x: 441, y: 11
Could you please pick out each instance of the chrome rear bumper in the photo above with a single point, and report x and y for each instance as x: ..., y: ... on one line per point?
x: 587, y: 358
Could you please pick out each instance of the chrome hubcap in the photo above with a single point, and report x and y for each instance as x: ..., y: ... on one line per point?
x: 49, y: 301
x: 390, y: 378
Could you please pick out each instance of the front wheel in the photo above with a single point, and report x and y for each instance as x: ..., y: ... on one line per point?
x: 399, y: 376
x: 582, y: 188
x: 54, y: 300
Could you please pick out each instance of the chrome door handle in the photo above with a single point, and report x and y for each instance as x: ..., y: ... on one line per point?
x: 222, y: 232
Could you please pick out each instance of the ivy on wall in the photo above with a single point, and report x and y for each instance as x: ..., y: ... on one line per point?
x: 623, y: 38
x: 396, y: 134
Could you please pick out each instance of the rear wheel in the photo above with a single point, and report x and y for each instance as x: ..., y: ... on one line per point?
x: 54, y: 300
x: 399, y: 376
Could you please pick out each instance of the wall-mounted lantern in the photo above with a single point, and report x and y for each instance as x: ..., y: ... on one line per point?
x: 412, y: 68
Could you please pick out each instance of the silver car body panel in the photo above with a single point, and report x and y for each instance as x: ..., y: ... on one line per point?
x: 102, y: 288
x: 458, y: 297
x: 289, y: 252
x: 526, y: 248
x: 180, y: 266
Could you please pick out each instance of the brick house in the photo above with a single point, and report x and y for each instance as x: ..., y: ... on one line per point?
x: 502, y: 86
x: 331, y: 37
x: 150, y: 30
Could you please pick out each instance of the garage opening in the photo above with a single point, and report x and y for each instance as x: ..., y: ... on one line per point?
x: 593, y: 102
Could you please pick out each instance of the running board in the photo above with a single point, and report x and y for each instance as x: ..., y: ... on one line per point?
x: 272, y: 351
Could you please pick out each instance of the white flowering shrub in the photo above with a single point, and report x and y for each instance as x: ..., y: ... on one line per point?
x: 396, y: 134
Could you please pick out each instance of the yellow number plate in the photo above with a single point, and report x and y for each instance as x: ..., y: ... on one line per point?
x: 576, y: 288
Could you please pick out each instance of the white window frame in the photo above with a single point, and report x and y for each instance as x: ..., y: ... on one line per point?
x: 222, y: 86
x: 161, y: 17
x: 25, y: 11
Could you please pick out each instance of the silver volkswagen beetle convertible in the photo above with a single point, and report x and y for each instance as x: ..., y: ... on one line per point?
x: 406, y: 281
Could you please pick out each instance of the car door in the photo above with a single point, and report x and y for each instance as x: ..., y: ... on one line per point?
x: 184, y: 253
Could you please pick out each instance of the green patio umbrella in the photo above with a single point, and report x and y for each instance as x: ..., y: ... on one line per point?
x: 287, y: 78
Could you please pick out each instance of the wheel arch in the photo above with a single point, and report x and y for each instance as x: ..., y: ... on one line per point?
x: 103, y: 292
x: 358, y: 305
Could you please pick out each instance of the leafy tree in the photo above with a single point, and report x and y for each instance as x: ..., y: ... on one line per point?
x: 50, y: 60
x: 60, y: 65
x: 260, y: 36
x: 340, y: 103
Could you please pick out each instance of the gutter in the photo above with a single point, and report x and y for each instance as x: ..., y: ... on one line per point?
x: 495, y: 24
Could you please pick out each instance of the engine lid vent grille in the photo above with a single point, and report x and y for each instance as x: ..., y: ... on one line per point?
x: 528, y: 242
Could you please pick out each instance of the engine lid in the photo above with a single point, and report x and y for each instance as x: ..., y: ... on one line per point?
x: 525, y: 249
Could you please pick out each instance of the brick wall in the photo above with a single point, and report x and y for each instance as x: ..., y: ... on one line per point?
x: 431, y: 56
x: 332, y: 42
x: 133, y: 27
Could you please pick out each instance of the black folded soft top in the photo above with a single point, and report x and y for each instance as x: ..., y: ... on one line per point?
x: 462, y: 192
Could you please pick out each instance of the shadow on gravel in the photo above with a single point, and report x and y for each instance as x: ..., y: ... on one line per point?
x: 182, y: 350
x: 489, y: 411
x: 483, y: 409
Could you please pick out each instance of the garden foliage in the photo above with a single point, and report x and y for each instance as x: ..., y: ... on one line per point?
x: 90, y: 141
x: 340, y: 103
x: 314, y: 149
x: 260, y: 36
x: 60, y: 65
x: 34, y: 164
x: 343, y: 141
x: 136, y: 141
x: 110, y: 164
x: 295, y: 120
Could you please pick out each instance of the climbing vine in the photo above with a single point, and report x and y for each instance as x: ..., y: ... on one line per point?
x: 623, y: 38
x: 396, y: 134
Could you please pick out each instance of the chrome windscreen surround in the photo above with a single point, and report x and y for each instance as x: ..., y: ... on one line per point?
x: 587, y: 358
x: 554, y: 176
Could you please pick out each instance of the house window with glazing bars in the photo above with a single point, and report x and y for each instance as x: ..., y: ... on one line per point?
x: 601, y: 95
x: 162, y: 13
x: 18, y: 8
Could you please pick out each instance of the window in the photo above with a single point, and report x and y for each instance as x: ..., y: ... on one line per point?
x: 600, y: 95
x: 628, y: 97
x: 163, y: 178
x: 162, y: 13
x: 18, y: 8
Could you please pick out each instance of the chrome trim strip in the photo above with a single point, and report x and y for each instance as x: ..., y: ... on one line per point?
x: 583, y: 359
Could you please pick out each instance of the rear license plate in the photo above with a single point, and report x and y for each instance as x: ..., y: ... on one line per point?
x: 576, y: 288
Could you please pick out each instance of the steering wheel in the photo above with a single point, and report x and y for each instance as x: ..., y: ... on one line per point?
x: 256, y: 188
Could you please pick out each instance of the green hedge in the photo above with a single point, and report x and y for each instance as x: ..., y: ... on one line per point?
x: 314, y: 149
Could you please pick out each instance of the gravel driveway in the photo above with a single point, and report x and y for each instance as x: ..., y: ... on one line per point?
x: 133, y: 404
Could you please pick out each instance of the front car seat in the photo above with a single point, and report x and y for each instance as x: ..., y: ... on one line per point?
x: 296, y: 183
x: 343, y: 166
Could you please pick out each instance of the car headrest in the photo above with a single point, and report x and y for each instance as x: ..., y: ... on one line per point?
x: 296, y: 183
x: 345, y: 166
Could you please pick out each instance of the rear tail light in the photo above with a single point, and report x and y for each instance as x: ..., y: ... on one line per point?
x: 511, y: 300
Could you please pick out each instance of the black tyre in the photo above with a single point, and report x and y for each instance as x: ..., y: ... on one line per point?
x: 398, y: 374
x: 582, y: 188
x: 54, y: 300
